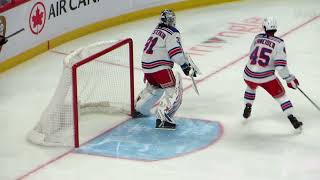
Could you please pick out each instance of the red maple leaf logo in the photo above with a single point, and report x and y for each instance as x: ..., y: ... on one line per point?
x: 37, y: 19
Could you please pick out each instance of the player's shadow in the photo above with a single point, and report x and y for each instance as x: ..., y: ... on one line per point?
x: 270, y: 127
x: 267, y: 134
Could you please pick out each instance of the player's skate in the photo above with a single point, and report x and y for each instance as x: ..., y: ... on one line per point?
x: 247, y: 111
x: 295, y: 123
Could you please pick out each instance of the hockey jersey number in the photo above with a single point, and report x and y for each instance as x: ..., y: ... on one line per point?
x: 264, y: 56
x: 148, y: 48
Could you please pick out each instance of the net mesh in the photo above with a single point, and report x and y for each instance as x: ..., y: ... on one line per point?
x: 103, y: 85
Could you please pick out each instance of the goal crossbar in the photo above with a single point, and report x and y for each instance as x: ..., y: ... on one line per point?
x: 74, y: 82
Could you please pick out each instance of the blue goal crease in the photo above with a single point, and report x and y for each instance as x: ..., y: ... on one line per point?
x: 137, y: 139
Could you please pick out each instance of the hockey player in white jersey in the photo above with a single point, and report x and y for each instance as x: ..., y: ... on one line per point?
x: 267, y: 55
x: 161, y: 51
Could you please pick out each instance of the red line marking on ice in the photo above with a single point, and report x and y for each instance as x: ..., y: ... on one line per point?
x: 44, y: 165
x: 188, y: 87
x: 217, y: 71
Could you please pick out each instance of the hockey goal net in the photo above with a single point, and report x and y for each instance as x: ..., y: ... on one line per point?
x: 97, y: 78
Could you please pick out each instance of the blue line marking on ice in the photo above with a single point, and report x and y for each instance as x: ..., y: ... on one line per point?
x: 138, y: 139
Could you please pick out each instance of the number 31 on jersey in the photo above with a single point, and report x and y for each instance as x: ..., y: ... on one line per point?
x: 148, y: 47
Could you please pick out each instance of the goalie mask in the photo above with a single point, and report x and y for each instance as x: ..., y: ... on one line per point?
x: 168, y: 18
x: 270, y: 23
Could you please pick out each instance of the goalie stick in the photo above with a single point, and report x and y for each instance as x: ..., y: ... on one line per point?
x: 314, y: 104
x: 196, y: 70
x: 194, y: 85
x: 15, y: 33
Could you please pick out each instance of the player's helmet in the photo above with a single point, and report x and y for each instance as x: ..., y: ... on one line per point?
x: 270, y: 23
x: 168, y: 18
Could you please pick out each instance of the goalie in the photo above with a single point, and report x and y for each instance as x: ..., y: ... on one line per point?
x: 161, y: 51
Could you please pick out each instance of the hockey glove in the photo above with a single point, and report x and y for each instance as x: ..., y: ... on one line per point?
x: 188, y: 70
x: 292, y: 82
x: 3, y: 40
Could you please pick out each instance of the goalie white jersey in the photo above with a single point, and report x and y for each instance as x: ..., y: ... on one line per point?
x: 162, y: 50
x: 267, y: 54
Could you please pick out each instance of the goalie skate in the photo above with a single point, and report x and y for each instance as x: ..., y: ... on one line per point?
x: 165, y: 125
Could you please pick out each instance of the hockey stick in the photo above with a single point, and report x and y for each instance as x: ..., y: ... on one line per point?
x: 13, y: 34
x: 193, y: 65
x: 315, y: 105
x: 196, y: 70
x: 194, y: 85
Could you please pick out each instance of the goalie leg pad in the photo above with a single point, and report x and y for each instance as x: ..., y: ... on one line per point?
x: 171, y: 101
x: 147, y: 98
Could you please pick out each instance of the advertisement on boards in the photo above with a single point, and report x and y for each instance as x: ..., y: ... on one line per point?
x: 36, y: 21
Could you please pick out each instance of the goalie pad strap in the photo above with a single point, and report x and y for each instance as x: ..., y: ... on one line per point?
x: 171, y: 101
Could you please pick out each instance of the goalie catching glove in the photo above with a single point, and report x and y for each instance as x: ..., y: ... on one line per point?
x: 188, y: 70
x: 292, y: 82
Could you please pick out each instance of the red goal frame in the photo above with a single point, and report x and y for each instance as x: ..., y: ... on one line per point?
x: 74, y: 82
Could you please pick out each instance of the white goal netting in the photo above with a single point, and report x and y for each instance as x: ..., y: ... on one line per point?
x: 102, y: 83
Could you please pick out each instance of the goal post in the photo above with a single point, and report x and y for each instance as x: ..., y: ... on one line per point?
x: 74, y: 82
x: 97, y: 78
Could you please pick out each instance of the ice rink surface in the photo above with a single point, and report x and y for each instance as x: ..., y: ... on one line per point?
x: 265, y: 148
